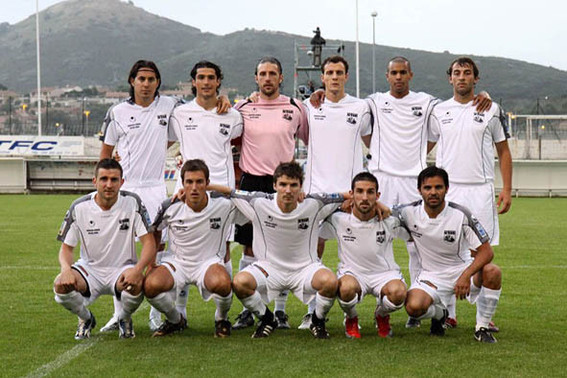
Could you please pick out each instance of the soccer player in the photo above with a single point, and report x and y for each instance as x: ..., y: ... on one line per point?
x: 443, y: 233
x: 198, y: 229
x: 336, y: 130
x: 205, y: 134
x: 285, y: 244
x: 466, y: 138
x: 271, y: 125
x: 106, y: 223
x: 366, y: 258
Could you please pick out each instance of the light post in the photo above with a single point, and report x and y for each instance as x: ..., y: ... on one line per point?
x: 374, y: 14
x: 87, y: 113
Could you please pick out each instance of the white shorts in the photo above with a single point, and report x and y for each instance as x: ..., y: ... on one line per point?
x: 444, y: 283
x: 396, y: 189
x: 184, y: 275
x: 99, y: 281
x: 271, y: 281
x: 371, y: 284
x: 479, y: 199
x: 152, y: 197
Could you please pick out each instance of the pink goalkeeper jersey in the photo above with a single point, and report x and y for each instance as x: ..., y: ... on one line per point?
x: 268, y: 138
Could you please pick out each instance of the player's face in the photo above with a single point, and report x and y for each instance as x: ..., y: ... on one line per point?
x: 108, y: 183
x: 287, y: 189
x: 462, y: 79
x: 399, y: 76
x: 269, y: 79
x: 334, y: 77
x: 206, y: 83
x: 433, y: 191
x: 195, y: 185
x: 145, y: 85
x: 365, y: 196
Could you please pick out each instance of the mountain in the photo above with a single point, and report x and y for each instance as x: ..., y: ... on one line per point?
x: 86, y: 42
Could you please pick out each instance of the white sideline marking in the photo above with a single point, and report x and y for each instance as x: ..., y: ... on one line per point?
x: 63, y: 359
x: 28, y: 267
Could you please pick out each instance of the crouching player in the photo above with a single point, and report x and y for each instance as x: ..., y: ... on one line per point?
x: 366, y: 257
x: 106, y: 222
x: 198, y: 230
x: 443, y: 232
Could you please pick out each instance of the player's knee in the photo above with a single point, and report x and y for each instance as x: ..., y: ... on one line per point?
x: 152, y: 286
x: 217, y: 281
x: 243, y: 285
x: 327, y: 282
x: 491, y: 276
x: 397, y: 294
x: 414, y: 307
x: 61, y: 289
x: 346, y: 290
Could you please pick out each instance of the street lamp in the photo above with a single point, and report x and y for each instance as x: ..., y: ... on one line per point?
x: 87, y: 113
x: 374, y: 14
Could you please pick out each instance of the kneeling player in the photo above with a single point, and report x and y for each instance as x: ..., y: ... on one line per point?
x: 106, y: 222
x: 285, y: 243
x: 441, y: 231
x: 198, y: 229
x: 366, y: 257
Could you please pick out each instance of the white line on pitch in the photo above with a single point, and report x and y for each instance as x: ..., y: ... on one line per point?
x: 63, y: 359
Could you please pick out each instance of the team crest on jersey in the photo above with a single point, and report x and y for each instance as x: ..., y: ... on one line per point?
x: 224, y: 129
x: 303, y: 223
x: 417, y: 111
x: 287, y: 114
x: 380, y: 236
x: 449, y: 236
x: 352, y: 118
x: 215, y: 223
x: 162, y: 119
x: 124, y: 224
x: 478, y: 117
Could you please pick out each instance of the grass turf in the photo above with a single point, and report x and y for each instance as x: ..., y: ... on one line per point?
x: 37, y: 334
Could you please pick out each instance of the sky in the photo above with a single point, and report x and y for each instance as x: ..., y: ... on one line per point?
x: 531, y: 31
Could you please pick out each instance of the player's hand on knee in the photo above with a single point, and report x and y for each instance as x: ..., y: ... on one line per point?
x: 317, y: 98
x: 67, y: 280
x: 463, y: 287
x: 130, y: 280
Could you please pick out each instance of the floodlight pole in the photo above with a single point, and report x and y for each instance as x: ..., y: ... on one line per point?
x: 374, y: 14
x: 357, y: 56
x: 38, y: 68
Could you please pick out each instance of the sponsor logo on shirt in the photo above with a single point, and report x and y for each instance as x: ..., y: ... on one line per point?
x: 269, y: 222
x: 224, y: 129
x: 352, y: 118
x: 380, y: 236
x: 319, y: 116
x: 215, y: 223
x: 133, y: 124
x: 287, y: 114
x: 446, y: 118
x: 162, y: 119
x: 348, y: 237
x: 303, y: 223
x: 414, y: 232
x: 386, y: 108
x: 254, y: 114
x: 449, y: 236
x: 190, y: 125
x: 124, y: 224
x: 417, y: 111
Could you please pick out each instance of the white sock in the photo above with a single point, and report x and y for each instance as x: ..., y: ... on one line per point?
x: 166, y: 305
x: 386, y: 306
x: 228, y: 267
x: 434, y: 311
x: 154, y: 313
x: 130, y: 304
x: 75, y: 303
x: 452, y: 307
x: 311, y: 306
x: 323, y: 305
x: 117, y: 306
x: 254, y: 304
x: 181, y: 300
x: 280, y: 301
x: 223, y: 306
x: 245, y: 261
x: 486, y: 306
x: 349, y: 308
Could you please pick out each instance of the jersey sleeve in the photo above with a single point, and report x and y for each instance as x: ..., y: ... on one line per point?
x: 244, y: 201
x: 162, y: 217
x: 394, y: 225
x: 497, y: 129
x: 109, y: 131
x: 236, y: 129
x: 69, y: 233
x: 173, y: 128
x: 473, y: 230
x: 303, y: 129
x: 366, y: 121
x: 433, y: 129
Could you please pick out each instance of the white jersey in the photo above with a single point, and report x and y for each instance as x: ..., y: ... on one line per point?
x: 366, y: 246
x: 334, y: 151
x: 399, y: 135
x: 107, y: 237
x: 195, y: 237
x: 288, y: 241
x: 140, y: 135
x: 204, y: 134
x: 442, y: 243
x: 465, y: 140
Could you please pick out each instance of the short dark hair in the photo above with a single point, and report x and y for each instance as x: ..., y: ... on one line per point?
x: 432, y: 171
x: 205, y: 64
x: 268, y: 59
x: 134, y: 72
x: 290, y: 169
x: 398, y: 59
x: 107, y: 164
x: 194, y: 165
x: 334, y: 59
x: 463, y: 61
x: 364, y: 176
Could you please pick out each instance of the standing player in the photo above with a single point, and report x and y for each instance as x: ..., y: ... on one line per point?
x: 336, y: 127
x: 106, y: 223
x: 205, y: 134
x: 443, y: 233
x: 285, y: 242
x: 268, y: 138
x: 198, y: 229
x: 366, y: 258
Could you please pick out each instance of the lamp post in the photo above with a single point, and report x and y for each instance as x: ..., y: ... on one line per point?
x: 374, y: 14
x: 357, y: 56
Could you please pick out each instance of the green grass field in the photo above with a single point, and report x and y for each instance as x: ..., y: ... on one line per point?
x: 37, y: 334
